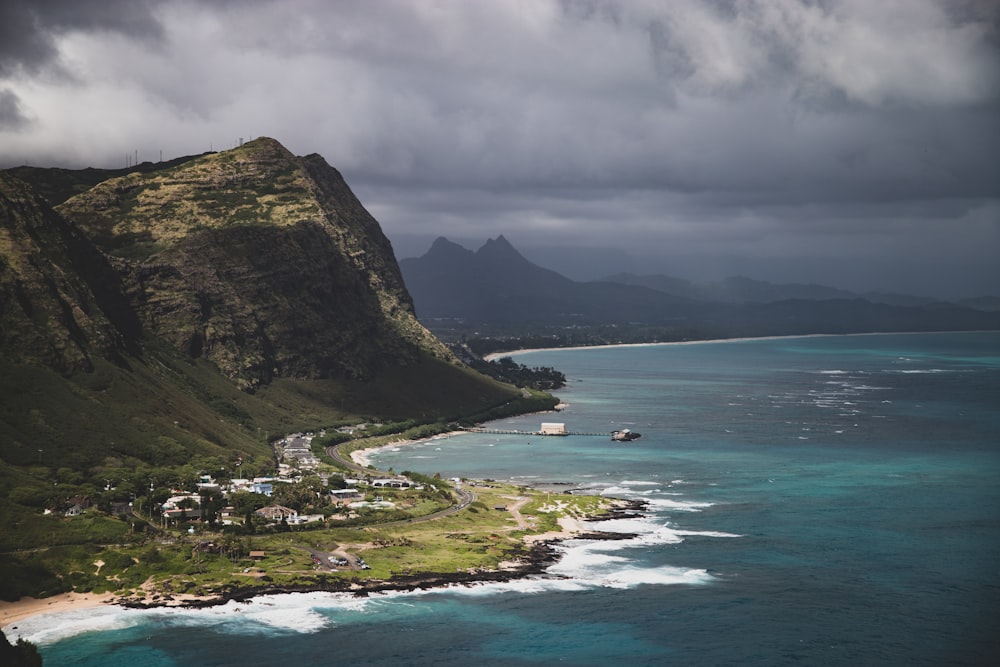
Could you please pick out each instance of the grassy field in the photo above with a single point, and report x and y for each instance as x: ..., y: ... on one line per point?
x: 152, y: 568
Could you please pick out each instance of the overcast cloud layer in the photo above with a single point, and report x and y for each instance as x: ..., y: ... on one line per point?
x: 853, y: 143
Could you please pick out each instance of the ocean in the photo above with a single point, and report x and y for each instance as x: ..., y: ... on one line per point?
x: 829, y: 500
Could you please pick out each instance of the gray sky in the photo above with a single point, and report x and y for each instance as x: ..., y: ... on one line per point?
x: 854, y: 143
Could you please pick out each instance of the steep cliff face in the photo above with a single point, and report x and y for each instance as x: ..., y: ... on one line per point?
x: 60, y: 300
x: 264, y: 263
x: 132, y: 317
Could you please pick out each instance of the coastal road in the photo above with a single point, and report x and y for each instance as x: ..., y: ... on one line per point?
x: 347, y: 462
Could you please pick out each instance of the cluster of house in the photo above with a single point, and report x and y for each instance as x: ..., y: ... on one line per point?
x: 295, y: 451
x: 186, y: 506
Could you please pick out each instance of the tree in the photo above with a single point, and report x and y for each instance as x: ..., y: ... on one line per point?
x: 248, y: 522
x: 21, y: 654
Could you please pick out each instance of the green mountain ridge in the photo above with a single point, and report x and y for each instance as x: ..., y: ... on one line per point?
x: 174, y: 319
x: 254, y: 259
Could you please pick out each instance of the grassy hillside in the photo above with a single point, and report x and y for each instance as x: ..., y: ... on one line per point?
x: 172, y: 320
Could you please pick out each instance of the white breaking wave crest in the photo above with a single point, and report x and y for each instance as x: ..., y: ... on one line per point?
x: 580, y: 568
x: 288, y: 612
x: 678, y: 505
x: 606, y: 564
x: 583, y: 564
x: 49, y: 628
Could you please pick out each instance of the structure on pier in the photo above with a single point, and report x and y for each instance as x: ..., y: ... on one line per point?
x: 548, y: 428
x: 553, y: 428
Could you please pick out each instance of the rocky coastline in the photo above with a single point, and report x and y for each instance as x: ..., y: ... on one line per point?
x: 533, y: 561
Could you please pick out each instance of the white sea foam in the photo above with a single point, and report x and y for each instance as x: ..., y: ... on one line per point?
x: 290, y: 612
x: 520, y: 586
x: 678, y: 505
x: 589, y: 563
x: 49, y: 628
x: 583, y: 564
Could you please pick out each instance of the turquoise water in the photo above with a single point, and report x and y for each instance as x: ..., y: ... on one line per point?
x: 812, y: 501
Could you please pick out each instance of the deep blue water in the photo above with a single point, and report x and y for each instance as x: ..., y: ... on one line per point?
x: 813, y: 501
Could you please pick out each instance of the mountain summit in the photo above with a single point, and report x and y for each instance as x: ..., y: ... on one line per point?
x: 196, y: 306
x: 499, y: 287
x: 262, y: 262
x: 497, y: 283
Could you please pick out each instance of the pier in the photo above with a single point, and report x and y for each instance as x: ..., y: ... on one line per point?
x: 496, y: 431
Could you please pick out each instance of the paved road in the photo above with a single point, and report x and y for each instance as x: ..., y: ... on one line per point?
x: 347, y: 462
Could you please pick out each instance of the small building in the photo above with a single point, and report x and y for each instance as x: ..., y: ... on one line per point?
x: 240, y: 484
x: 192, y: 500
x: 182, y: 514
x: 392, y: 483
x: 553, y: 428
x: 343, y: 495
x: 257, y: 555
x: 276, y: 512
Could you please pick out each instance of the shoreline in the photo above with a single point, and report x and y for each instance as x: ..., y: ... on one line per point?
x: 539, y: 554
x: 497, y: 355
x: 362, y: 456
x: 12, y: 613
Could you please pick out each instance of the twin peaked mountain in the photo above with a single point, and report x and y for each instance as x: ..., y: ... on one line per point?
x: 261, y: 262
x: 496, y: 288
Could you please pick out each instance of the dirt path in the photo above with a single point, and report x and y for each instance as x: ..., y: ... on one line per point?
x: 515, y: 511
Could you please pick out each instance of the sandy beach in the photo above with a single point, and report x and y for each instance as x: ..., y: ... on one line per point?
x: 362, y: 457
x: 497, y: 355
x: 12, y: 612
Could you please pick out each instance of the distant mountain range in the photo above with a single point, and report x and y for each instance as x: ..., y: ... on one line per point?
x: 747, y: 290
x: 496, y: 284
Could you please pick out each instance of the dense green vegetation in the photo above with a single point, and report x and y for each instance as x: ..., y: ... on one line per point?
x: 156, y: 426
x: 150, y: 562
x: 20, y: 654
x: 173, y: 321
x: 486, y: 338
x: 505, y: 369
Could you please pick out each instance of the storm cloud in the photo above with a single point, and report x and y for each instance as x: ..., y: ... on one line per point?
x: 853, y: 143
